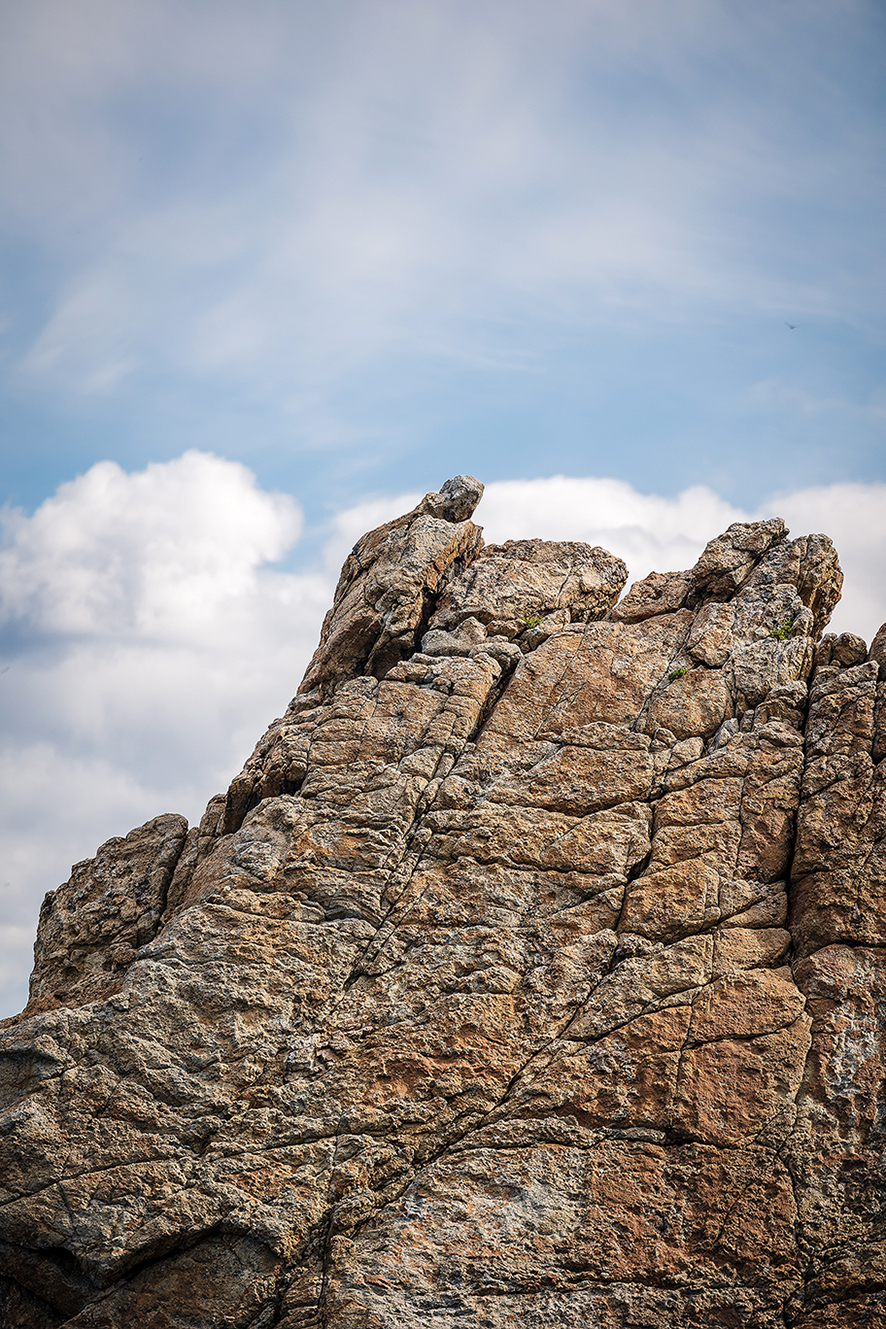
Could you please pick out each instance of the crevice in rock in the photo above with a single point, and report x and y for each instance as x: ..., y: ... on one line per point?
x: 269, y: 789
x: 493, y: 697
x: 31, y: 1303
x: 483, y: 1001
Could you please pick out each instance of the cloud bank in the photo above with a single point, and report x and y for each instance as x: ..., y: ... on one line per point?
x: 146, y: 641
x: 149, y: 632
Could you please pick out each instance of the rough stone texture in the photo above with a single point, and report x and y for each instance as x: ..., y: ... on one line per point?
x: 389, y: 584
x: 91, y: 928
x: 530, y: 974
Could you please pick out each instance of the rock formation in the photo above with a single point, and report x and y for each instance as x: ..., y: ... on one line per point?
x: 531, y: 973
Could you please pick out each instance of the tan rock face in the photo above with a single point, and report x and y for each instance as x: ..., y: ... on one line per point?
x: 530, y: 973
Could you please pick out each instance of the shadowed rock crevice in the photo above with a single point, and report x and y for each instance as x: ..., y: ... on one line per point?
x: 530, y: 972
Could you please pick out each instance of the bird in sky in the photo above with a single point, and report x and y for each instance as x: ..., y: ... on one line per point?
x: 790, y: 325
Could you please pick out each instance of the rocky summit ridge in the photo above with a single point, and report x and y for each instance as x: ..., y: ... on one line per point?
x: 531, y: 973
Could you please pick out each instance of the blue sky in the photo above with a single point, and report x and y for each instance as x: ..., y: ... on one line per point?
x: 337, y: 241
x: 271, y: 269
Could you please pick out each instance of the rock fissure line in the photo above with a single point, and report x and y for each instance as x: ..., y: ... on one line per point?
x: 577, y: 1010
x: 475, y: 1125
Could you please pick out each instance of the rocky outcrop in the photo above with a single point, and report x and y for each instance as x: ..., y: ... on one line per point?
x: 530, y: 973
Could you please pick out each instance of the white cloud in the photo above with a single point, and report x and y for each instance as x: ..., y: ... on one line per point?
x: 155, y: 554
x: 147, y: 644
x: 149, y: 639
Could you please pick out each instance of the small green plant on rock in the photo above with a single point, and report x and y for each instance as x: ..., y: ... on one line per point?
x: 677, y: 673
x: 782, y: 633
x: 532, y: 621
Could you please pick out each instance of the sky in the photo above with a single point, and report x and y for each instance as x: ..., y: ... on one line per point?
x: 270, y: 270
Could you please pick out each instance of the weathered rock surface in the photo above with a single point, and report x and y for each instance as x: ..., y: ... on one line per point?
x: 531, y: 972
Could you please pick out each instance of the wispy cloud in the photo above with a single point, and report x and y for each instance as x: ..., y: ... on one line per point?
x: 414, y: 176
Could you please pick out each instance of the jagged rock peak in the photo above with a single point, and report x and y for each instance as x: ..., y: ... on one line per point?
x: 531, y: 972
x: 455, y: 500
x: 393, y: 580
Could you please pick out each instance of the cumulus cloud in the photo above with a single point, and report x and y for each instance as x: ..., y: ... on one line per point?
x: 146, y: 639
x: 149, y: 632
x: 151, y: 555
